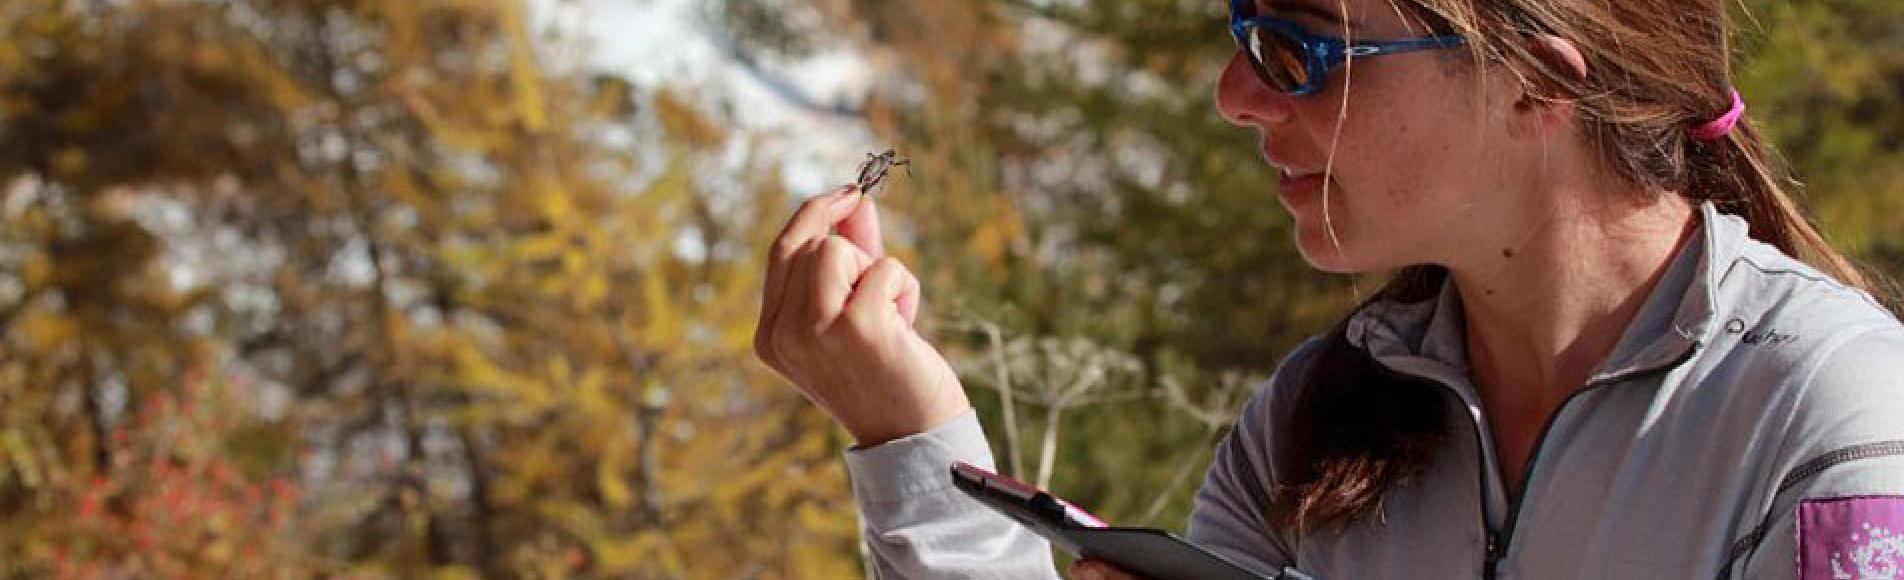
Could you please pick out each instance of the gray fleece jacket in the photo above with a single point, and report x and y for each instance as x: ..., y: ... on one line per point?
x: 1749, y: 424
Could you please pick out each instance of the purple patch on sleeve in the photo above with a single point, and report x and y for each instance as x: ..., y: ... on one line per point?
x: 1851, y: 538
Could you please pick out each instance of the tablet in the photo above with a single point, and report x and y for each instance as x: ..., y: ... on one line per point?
x: 1152, y: 553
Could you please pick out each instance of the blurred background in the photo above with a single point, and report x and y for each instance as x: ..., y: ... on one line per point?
x: 466, y: 288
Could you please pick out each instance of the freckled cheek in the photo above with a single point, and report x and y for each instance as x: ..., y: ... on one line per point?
x: 1381, y: 166
x: 1394, y: 158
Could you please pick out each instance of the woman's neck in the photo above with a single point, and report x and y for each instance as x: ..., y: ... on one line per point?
x: 1547, y: 303
x: 1550, y: 301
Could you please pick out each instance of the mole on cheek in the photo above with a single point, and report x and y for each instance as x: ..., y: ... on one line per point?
x: 1507, y: 253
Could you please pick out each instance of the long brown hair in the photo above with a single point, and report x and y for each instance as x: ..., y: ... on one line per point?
x: 1658, y: 68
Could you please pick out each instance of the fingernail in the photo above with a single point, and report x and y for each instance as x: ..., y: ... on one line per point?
x: 847, y: 199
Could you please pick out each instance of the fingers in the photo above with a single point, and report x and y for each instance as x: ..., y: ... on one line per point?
x: 813, y: 220
x: 862, y: 228
x: 909, y: 300
x: 878, y: 290
x: 818, y: 282
x: 774, y: 297
x: 1086, y: 569
x: 836, y: 266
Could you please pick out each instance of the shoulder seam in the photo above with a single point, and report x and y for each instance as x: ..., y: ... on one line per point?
x: 1750, y: 542
x: 1805, y: 273
x: 1813, y: 275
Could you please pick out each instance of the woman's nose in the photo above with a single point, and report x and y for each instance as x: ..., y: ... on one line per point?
x: 1243, y: 100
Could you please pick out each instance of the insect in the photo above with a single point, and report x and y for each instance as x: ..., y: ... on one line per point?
x: 877, y: 165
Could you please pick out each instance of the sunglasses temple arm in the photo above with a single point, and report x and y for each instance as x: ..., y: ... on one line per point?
x: 1409, y: 45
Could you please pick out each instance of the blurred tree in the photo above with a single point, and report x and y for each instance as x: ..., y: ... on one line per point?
x: 1826, y: 79
x: 499, y: 342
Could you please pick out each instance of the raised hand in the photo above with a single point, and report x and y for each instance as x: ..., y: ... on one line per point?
x: 837, y: 316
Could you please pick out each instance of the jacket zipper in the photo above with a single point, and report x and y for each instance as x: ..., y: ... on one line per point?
x: 1493, y: 553
x: 1499, y: 542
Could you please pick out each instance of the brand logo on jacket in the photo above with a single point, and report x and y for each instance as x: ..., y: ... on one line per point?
x: 1768, y: 337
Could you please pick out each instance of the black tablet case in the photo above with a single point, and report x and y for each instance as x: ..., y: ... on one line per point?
x: 1153, y: 553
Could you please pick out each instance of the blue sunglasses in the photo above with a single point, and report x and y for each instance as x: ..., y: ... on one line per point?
x: 1294, y: 61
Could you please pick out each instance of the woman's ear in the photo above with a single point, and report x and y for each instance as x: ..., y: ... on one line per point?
x: 1544, y: 106
x: 1559, y: 54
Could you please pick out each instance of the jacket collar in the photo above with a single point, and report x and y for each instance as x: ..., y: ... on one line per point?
x: 1428, y: 337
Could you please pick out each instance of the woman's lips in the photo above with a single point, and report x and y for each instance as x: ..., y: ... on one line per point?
x: 1295, y: 188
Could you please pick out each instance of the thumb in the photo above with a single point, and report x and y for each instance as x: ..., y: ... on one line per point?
x: 862, y: 227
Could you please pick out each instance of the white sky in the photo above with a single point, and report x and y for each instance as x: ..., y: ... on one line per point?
x: 656, y: 43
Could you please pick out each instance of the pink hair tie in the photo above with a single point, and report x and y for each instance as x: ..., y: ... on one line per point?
x: 1717, y: 128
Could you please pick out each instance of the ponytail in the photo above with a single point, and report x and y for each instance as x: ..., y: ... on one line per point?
x: 1739, y: 174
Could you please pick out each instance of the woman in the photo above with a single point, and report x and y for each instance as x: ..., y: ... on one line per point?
x: 1614, y: 348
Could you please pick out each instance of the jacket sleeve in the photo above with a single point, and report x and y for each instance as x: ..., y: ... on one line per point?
x: 918, y: 525
x: 1229, y: 513
x: 1838, y: 510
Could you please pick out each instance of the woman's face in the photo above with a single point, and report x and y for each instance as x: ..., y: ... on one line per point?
x: 1406, y: 132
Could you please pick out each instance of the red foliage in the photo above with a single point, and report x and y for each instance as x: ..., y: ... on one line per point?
x: 171, y: 504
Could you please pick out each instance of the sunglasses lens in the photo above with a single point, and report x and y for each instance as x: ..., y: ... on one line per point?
x: 1278, y: 59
